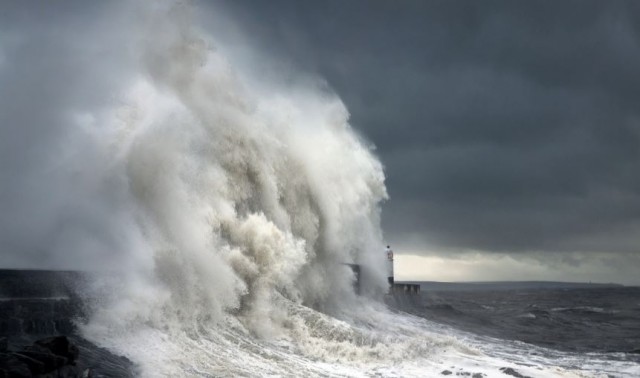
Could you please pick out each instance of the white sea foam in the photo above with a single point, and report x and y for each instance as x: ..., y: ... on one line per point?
x: 598, y: 310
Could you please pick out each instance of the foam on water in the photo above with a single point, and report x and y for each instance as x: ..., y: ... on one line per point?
x: 373, y: 342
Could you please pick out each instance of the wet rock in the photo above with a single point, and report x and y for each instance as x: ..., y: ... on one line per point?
x: 38, y: 307
x: 512, y: 372
x: 46, y: 358
x: 10, y: 366
x: 35, y: 366
x: 60, y: 346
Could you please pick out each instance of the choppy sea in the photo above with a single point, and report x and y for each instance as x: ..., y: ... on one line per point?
x: 604, y: 320
x: 574, y: 325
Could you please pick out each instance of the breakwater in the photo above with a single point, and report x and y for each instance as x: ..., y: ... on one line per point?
x: 39, y: 309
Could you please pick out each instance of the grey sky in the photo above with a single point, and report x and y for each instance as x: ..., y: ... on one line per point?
x: 505, y: 127
x: 56, y: 62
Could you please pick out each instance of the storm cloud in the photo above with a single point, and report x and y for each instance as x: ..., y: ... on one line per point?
x: 503, y: 126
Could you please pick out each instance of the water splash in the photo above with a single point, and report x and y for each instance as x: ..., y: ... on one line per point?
x: 235, y: 198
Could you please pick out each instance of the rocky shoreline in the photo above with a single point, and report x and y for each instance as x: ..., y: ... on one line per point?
x: 38, y: 335
x: 61, y: 357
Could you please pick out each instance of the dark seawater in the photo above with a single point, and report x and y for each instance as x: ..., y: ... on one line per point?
x: 602, y: 320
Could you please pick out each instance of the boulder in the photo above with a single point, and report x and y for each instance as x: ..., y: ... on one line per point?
x: 61, y: 346
x: 512, y: 372
x: 49, y: 360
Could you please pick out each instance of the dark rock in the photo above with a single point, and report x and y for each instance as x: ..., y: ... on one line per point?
x: 446, y: 372
x: 42, y: 304
x: 67, y: 371
x: 635, y: 351
x: 35, y: 366
x: 40, y: 360
x: 10, y: 366
x: 60, y: 346
x: 49, y: 360
x: 512, y: 372
x: 477, y: 375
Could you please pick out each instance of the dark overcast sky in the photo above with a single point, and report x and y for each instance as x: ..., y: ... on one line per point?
x: 503, y: 126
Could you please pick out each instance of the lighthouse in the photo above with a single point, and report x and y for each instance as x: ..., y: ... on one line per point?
x: 389, y: 266
x: 398, y: 288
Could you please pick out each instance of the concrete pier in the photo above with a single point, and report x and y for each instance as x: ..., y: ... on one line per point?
x: 405, y: 288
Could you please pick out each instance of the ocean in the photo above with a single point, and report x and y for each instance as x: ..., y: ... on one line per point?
x: 582, y: 320
x: 495, y: 333
x: 513, y: 331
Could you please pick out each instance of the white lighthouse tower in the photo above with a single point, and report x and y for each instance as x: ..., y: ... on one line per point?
x: 389, y: 266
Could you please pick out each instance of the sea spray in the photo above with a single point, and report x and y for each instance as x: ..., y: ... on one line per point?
x: 239, y: 198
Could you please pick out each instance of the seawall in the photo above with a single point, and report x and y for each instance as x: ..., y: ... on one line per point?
x: 36, y: 305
